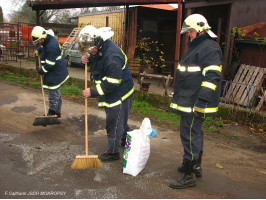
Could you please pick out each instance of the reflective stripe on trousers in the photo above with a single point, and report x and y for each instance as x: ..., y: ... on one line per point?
x: 191, y: 136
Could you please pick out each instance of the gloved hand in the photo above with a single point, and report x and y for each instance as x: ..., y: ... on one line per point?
x: 36, y: 52
x: 40, y: 71
x: 199, y: 107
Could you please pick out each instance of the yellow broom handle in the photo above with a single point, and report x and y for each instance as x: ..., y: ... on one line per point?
x: 86, y: 113
x: 43, y: 97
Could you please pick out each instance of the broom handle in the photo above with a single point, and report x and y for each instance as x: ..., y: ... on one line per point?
x: 43, y: 98
x: 86, y: 113
x: 44, y: 104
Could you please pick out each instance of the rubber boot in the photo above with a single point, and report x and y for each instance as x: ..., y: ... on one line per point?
x: 51, y: 112
x: 58, y: 115
x: 197, y: 168
x: 187, y: 179
x: 181, y: 168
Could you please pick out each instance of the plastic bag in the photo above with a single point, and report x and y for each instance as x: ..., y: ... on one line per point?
x: 137, y: 149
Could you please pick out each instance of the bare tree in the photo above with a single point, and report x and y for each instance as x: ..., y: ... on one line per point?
x: 26, y: 14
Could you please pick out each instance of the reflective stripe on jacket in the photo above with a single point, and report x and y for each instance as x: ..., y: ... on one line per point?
x: 53, y: 64
x: 112, y: 76
x: 198, y: 76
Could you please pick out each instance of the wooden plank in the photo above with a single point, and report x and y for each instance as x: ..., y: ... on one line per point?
x: 250, y: 85
x: 245, y: 85
x: 262, y: 99
x: 239, y: 84
x: 242, y: 93
x: 257, y: 82
x: 231, y: 89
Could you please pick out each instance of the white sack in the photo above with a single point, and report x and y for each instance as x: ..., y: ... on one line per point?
x: 137, y: 149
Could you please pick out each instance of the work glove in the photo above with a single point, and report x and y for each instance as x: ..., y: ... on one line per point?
x: 36, y: 53
x: 199, y: 107
x: 40, y: 71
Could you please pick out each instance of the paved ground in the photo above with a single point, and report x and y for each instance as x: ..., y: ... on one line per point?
x: 35, y: 161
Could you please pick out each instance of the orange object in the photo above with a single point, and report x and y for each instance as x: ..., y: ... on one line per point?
x: 256, y: 30
x: 26, y: 32
x: 62, y: 40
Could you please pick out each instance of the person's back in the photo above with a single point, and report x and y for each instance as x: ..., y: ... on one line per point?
x: 113, y: 84
x: 54, y: 63
x: 112, y: 63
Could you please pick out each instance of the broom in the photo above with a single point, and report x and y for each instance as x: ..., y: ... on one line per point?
x: 44, y: 120
x: 86, y: 161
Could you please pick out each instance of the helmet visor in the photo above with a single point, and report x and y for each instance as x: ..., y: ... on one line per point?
x: 35, y: 40
x: 184, y: 30
x: 85, y: 42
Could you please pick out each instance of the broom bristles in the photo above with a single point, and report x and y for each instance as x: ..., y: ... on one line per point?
x: 85, y: 162
x: 46, y: 120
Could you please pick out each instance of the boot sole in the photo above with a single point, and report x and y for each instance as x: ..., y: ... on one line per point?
x: 109, y: 159
x: 181, y: 187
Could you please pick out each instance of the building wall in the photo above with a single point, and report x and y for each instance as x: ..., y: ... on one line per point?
x: 113, y: 20
x: 249, y: 12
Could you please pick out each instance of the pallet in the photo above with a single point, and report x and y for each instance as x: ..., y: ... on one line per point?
x: 245, y: 85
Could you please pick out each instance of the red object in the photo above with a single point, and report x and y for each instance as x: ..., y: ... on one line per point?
x: 26, y: 32
x: 7, y: 44
x: 254, y: 31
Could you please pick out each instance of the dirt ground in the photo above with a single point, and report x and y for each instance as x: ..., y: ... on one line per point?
x: 35, y: 161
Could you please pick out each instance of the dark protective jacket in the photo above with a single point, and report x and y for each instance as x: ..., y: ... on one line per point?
x: 111, y: 74
x: 53, y: 63
x: 198, y: 76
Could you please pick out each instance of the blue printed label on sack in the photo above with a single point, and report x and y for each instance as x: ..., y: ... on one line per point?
x: 127, y: 149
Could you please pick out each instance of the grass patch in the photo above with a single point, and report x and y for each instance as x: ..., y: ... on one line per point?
x: 156, y: 115
x: 144, y: 105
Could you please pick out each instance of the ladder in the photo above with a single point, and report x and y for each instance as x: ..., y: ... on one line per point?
x: 71, y: 38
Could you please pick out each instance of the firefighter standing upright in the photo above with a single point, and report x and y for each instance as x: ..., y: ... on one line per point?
x: 196, y: 94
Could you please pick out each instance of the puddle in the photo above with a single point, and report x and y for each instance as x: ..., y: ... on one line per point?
x: 23, y: 109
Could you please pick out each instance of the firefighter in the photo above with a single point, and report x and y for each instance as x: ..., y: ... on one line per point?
x: 113, y: 84
x: 53, y: 67
x: 196, y: 94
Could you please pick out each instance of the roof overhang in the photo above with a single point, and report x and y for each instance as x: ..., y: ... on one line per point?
x: 61, y: 4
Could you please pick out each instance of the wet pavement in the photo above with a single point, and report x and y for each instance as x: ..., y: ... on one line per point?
x: 35, y: 161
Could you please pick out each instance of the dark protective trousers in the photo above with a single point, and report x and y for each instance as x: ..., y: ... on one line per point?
x: 116, y: 124
x: 191, y: 136
x: 55, y: 100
